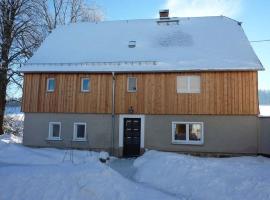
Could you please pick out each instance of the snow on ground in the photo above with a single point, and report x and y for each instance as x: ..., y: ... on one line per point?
x: 265, y: 110
x: 44, y: 174
x: 47, y: 174
x: 206, y: 178
x: 124, y: 167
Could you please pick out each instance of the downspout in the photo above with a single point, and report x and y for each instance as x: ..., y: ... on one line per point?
x: 113, y: 112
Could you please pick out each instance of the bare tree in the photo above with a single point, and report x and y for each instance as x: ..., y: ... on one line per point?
x: 61, y: 12
x: 23, y: 26
x: 92, y: 13
x: 19, y: 36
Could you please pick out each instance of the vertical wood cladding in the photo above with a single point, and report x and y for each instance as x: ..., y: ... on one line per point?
x: 222, y: 93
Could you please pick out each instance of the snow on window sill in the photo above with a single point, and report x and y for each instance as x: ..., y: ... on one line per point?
x: 54, y: 139
x: 79, y: 140
x: 85, y: 91
x: 188, y: 142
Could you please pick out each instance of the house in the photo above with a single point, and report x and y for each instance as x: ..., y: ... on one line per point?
x: 170, y: 84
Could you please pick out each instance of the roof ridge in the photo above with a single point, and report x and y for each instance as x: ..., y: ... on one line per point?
x: 150, y: 19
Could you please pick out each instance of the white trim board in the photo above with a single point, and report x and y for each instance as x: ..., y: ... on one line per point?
x: 121, y: 128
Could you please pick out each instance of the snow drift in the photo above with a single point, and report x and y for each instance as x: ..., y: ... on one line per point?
x: 206, y: 178
x: 28, y: 173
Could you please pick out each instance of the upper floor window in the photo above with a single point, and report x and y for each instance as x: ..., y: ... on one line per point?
x: 132, y: 84
x: 85, y: 85
x: 187, y: 133
x: 188, y: 84
x: 50, y: 85
x: 79, y: 133
x: 54, y: 131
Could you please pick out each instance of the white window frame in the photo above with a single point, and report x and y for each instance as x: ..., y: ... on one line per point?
x: 82, y: 79
x: 187, y: 141
x: 75, y: 138
x: 48, y: 80
x: 188, y: 89
x: 128, y: 84
x: 50, y: 134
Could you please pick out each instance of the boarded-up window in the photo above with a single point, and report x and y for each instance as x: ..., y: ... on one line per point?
x: 188, y: 84
x: 132, y: 84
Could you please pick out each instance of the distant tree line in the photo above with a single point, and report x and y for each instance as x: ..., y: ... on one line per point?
x: 264, y: 97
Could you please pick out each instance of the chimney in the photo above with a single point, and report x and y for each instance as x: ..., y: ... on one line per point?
x: 164, y: 14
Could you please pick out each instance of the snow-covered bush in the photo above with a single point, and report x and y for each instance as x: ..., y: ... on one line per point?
x: 13, y: 124
x: 104, y: 156
x: 200, y: 178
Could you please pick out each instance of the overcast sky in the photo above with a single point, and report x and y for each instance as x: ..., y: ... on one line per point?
x: 255, y: 15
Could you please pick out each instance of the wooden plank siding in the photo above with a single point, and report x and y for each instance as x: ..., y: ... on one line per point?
x: 222, y: 93
x: 67, y: 97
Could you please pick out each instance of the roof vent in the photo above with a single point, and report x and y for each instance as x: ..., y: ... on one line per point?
x: 164, y: 14
x: 132, y: 44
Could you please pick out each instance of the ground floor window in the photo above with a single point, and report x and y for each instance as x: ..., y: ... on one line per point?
x: 79, y: 133
x: 187, y: 133
x: 54, y: 130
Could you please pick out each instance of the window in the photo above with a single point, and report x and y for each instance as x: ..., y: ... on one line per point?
x: 132, y: 84
x: 187, y: 133
x: 50, y: 84
x: 188, y: 84
x: 132, y: 44
x: 85, y: 85
x: 54, y: 131
x: 79, y: 132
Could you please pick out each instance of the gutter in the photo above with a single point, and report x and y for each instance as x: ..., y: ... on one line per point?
x: 113, y: 113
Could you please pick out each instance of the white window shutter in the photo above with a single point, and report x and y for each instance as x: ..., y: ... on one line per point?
x: 194, y: 84
x: 182, y: 84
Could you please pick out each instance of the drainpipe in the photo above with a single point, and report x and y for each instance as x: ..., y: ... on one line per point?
x: 113, y: 112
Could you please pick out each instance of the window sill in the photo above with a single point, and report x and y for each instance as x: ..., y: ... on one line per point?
x: 188, y: 92
x: 54, y: 139
x: 187, y: 143
x: 79, y: 140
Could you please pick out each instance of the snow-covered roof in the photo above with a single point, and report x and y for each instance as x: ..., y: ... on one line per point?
x: 179, y: 44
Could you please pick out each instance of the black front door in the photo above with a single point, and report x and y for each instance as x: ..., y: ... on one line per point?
x: 132, y: 137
